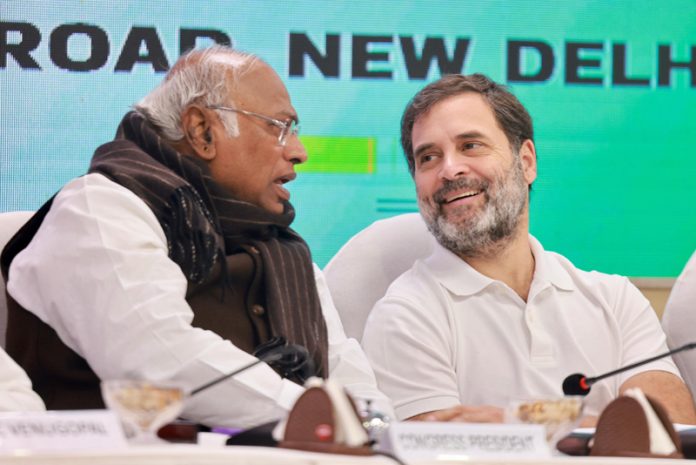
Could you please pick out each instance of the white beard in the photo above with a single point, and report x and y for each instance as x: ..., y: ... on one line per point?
x: 487, y: 231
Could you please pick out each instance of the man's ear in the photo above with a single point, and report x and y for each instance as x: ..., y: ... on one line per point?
x: 196, y: 125
x: 529, y: 161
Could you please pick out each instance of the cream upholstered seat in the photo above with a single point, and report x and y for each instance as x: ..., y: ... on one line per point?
x: 10, y: 222
x: 679, y: 320
x: 360, y: 273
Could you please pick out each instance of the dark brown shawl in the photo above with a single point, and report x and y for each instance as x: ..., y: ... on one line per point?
x: 202, y: 223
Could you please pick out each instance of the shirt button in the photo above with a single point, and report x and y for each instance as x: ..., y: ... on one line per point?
x: 258, y: 310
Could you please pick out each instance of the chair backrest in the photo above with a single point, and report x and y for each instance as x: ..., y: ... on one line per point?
x: 360, y: 273
x: 10, y: 222
x: 679, y: 320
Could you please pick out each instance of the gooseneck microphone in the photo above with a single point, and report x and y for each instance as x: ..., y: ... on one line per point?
x: 578, y: 384
x: 292, y: 361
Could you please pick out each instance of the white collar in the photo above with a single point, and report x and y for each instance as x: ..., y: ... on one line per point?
x: 463, y: 280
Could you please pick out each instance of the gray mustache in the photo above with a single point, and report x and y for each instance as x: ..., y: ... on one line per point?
x: 457, y: 184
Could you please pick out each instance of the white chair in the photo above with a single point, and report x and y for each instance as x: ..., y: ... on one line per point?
x: 360, y: 273
x: 10, y: 222
x: 679, y: 321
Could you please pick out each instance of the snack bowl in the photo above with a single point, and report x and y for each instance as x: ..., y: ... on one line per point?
x: 560, y: 416
x: 143, y: 406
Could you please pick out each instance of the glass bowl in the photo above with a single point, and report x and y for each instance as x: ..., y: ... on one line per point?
x: 560, y: 416
x: 143, y: 406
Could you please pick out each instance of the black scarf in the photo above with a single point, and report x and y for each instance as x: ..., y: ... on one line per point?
x: 202, y: 223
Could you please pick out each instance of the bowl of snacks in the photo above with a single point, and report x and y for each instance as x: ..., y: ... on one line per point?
x: 143, y: 406
x: 560, y: 416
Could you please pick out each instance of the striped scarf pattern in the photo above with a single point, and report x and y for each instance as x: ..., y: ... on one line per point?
x: 203, y: 223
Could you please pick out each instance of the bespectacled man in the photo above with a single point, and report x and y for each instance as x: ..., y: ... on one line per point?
x: 173, y: 258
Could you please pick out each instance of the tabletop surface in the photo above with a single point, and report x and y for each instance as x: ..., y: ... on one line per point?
x: 243, y: 455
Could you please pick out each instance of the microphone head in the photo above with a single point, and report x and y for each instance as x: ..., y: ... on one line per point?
x: 576, y: 385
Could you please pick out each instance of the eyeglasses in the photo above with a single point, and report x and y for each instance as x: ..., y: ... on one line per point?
x: 287, y: 128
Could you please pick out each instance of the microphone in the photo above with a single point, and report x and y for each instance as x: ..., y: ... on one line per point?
x: 292, y: 361
x: 578, y: 384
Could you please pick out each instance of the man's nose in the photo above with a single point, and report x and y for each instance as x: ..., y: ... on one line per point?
x: 454, y: 166
x: 294, y: 151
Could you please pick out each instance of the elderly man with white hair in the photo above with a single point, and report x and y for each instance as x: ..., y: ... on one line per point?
x: 172, y: 259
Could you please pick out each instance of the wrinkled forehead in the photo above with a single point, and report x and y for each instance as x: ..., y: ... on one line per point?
x: 467, y: 108
x: 259, y: 88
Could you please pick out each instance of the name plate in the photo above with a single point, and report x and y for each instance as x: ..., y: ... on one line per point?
x: 60, y: 430
x: 456, y: 441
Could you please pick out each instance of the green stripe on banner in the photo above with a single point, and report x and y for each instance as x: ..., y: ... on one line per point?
x: 331, y: 154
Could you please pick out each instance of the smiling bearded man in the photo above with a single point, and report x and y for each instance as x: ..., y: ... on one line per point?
x: 477, y: 233
x: 491, y: 317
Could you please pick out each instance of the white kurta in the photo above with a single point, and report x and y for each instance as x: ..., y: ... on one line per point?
x: 15, y: 388
x: 98, y: 273
x: 445, y: 335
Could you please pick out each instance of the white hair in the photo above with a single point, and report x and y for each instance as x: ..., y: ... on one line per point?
x: 198, y: 76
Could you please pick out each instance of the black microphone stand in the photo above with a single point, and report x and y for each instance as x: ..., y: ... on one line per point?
x: 579, y: 384
x: 268, y: 358
x: 688, y: 346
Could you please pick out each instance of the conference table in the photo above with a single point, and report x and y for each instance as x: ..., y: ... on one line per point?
x: 189, y: 454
